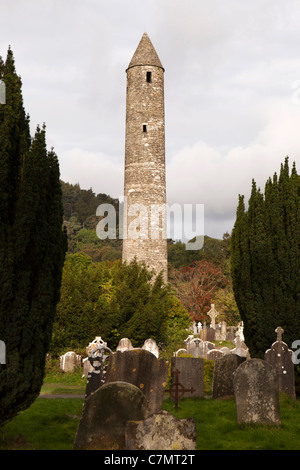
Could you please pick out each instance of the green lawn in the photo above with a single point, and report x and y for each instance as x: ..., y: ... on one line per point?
x: 51, y: 423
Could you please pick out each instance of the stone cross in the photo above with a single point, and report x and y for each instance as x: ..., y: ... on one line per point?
x: 279, y: 332
x: 177, y: 390
x: 213, y: 314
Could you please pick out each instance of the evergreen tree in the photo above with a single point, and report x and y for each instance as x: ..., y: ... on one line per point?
x: 32, y: 249
x: 265, y: 261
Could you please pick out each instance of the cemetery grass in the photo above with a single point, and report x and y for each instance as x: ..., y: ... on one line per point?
x: 217, y: 429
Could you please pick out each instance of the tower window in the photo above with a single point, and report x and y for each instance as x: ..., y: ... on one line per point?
x: 144, y: 128
x: 149, y: 77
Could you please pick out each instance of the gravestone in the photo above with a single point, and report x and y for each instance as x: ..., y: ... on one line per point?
x: 105, y: 414
x: 124, y: 345
x: 224, y: 369
x: 256, y: 393
x: 98, y: 341
x: 142, y: 369
x: 194, y: 346
x: 161, y: 431
x: 69, y: 361
x: 191, y: 374
x: 230, y: 333
x: 150, y: 345
x: 225, y: 350
x: 214, y: 354
x: 280, y: 357
x: 210, y: 334
x: 98, y: 359
x: 240, y: 347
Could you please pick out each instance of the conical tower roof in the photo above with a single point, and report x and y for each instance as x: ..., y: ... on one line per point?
x: 145, y: 54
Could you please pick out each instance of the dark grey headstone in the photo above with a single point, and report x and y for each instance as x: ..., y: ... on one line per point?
x: 161, y: 431
x: 142, y: 369
x: 190, y: 374
x: 105, y: 414
x: 256, y: 393
x: 224, y: 369
x: 210, y: 334
x: 280, y: 357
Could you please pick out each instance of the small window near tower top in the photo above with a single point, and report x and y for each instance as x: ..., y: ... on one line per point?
x: 149, y: 78
x: 144, y: 128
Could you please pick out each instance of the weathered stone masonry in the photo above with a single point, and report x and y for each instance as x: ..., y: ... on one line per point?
x: 145, y: 180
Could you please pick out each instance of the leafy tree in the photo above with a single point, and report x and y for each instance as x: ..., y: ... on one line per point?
x: 112, y: 300
x: 196, y: 285
x: 265, y: 261
x: 32, y: 248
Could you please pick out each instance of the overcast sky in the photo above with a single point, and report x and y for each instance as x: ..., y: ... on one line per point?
x: 232, y: 90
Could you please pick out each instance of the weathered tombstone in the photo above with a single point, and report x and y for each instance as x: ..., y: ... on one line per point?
x: 214, y: 354
x: 203, y: 332
x: 98, y: 359
x: 69, y: 361
x: 105, y: 414
x: 124, y: 345
x: 225, y: 350
x: 98, y: 341
x: 150, y: 345
x: 193, y: 346
x: 256, y: 393
x: 280, y: 357
x: 210, y: 334
x: 191, y: 374
x: 230, y: 333
x: 141, y: 368
x: 221, y: 332
x: 161, y: 431
x: 224, y: 369
x: 240, y: 347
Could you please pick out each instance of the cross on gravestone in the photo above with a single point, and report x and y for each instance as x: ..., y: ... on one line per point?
x: 98, y: 359
x: 177, y: 390
x: 279, y: 332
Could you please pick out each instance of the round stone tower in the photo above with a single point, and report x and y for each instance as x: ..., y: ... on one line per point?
x: 144, y: 227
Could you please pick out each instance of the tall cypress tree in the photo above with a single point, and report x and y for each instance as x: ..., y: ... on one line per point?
x: 32, y: 249
x: 265, y: 261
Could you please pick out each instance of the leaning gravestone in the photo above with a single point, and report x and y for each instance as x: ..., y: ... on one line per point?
x: 280, y: 357
x: 142, y: 369
x: 224, y: 369
x: 105, y: 414
x: 256, y: 393
x: 191, y: 374
x: 161, y: 431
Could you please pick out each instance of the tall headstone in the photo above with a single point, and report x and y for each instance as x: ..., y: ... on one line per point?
x: 213, y: 313
x: 142, y: 369
x: 224, y: 369
x: 256, y: 393
x: 105, y: 414
x: 144, y: 225
x: 280, y: 357
x: 98, y: 359
x: 191, y: 374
